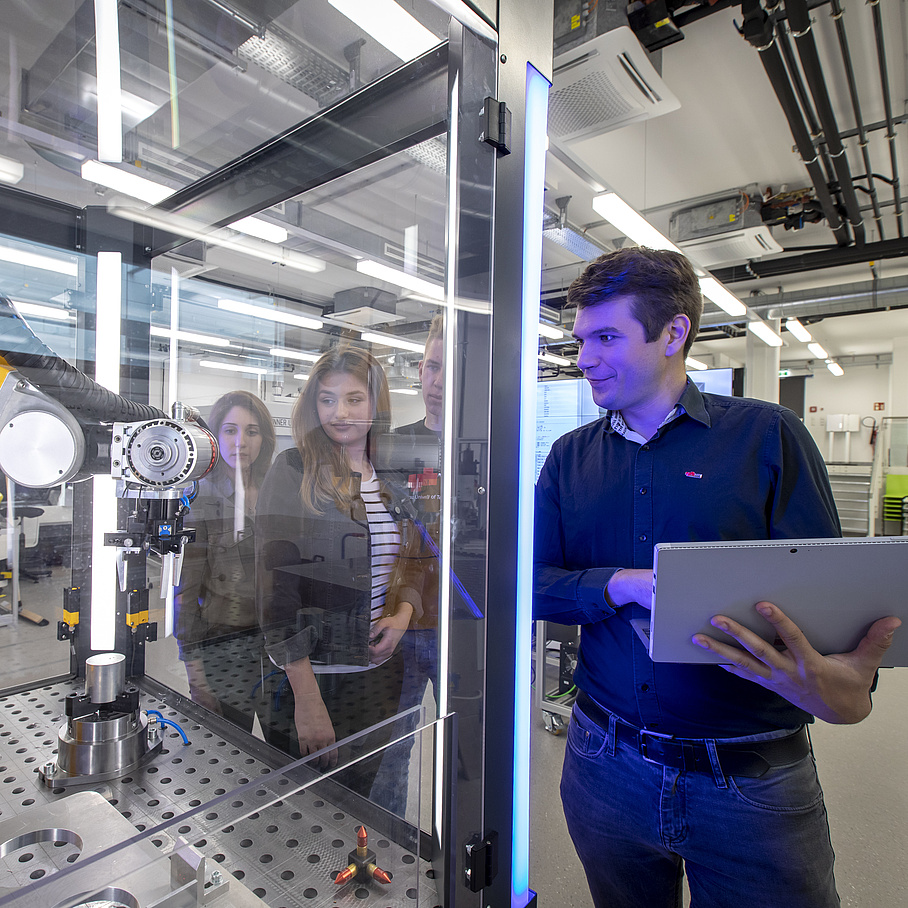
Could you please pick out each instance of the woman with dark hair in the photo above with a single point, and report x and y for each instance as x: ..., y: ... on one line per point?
x: 334, y: 595
x: 216, y: 624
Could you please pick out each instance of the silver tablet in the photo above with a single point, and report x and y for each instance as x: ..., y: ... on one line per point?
x: 833, y: 589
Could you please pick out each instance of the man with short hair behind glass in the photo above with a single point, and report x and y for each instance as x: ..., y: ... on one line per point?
x: 672, y: 766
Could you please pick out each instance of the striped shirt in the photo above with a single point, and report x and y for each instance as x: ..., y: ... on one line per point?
x: 384, y: 538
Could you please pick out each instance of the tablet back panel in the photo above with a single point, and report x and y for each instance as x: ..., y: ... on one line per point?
x: 834, y: 589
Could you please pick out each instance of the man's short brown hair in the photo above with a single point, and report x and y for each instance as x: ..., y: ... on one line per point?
x: 662, y: 283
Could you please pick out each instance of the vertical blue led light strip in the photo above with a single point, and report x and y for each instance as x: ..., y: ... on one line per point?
x: 537, y: 101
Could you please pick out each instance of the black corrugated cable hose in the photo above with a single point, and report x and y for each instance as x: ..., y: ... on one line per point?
x: 82, y: 396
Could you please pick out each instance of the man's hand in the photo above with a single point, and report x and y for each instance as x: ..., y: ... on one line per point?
x: 834, y: 688
x: 630, y: 585
x: 386, y: 633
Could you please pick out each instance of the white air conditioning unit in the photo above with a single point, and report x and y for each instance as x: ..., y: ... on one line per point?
x: 731, y: 248
x: 604, y: 84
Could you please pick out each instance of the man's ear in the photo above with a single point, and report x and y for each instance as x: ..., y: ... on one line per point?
x: 678, y: 329
x: 419, y: 369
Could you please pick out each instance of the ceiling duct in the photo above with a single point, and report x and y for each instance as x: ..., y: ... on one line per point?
x: 604, y: 84
x: 723, y: 231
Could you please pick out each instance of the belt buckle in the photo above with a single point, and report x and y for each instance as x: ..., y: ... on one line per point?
x: 651, y: 738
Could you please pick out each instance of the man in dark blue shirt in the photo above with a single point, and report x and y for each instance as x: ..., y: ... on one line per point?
x: 670, y: 765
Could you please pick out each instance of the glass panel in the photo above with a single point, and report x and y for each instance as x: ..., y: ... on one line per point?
x: 209, y: 821
x: 189, y: 86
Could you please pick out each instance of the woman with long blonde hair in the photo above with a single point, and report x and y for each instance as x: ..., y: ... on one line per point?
x: 335, y: 595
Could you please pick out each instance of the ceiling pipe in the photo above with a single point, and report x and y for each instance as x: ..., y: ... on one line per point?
x: 800, y: 25
x: 813, y: 261
x: 838, y: 17
x: 887, y: 106
x: 758, y: 31
x: 797, y: 83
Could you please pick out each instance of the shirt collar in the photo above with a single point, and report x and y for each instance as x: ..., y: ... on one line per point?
x: 690, y: 402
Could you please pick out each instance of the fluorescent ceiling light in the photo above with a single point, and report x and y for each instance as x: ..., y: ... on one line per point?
x: 692, y: 363
x: 34, y: 260
x: 550, y: 331
x: 401, y: 278
x: 190, y: 336
x: 11, y: 171
x: 557, y: 360
x: 286, y: 353
x: 798, y: 330
x: 107, y: 63
x: 633, y: 225
x: 390, y: 25
x: 721, y: 296
x: 264, y: 230
x: 39, y: 311
x: 271, y: 315
x: 817, y: 350
x: 232, y: 367
x: 835, y: 368
x: 404, y: 391
x: 765, y: 333
x: 130, y: 184
x: 388, y: 340
x: 300, y: 377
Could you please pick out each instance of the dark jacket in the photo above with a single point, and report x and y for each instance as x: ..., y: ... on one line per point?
x: 314, y: 571
x: 216, y: 595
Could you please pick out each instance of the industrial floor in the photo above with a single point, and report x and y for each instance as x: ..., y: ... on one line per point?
x: 861, y: 767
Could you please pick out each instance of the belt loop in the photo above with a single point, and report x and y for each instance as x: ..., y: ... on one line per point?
x: 612, y: 733
x: 718, y: 775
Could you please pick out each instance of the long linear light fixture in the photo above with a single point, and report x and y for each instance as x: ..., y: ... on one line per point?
x: 389, y: 24
x: 232, y: 367
x: 817, y: 350
x: 38, y: 311
x: 765, y: 333
x: 401, y: 279
x: 104, y: 501
x: 11, y: 171
x: 550, y: 331
x: 191, y: 337
x: 286, y: 353
x: 632, y: 224
x: 271, y: 315
x: 153, y: 193
x: 722, y: 297
x: 695, y: 364
x: 36, y: 260
x: 834, y: 367
x: 388, y: 340
x: 798, y: 331
x: 554, y: 359
x: 107, y: 61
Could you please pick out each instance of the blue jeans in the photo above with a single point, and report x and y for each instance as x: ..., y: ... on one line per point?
x: 419, y: 648
x: 759, y: 843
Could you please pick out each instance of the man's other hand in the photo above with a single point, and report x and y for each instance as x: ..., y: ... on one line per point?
x: 835, y: 688
x: 630, y: 585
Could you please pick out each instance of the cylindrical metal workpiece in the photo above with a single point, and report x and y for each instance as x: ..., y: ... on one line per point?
x: 105, y: 677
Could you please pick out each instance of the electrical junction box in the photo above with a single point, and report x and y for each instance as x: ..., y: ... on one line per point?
x: 843, y: 422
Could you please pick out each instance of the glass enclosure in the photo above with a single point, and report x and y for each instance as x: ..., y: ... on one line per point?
x: 246, y: 277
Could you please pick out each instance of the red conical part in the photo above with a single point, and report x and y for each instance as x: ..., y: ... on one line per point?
x: 378, y: 874
x: 362, y: 837
x: 345, y: 875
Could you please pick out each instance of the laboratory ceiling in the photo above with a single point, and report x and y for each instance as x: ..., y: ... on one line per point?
x: 207, y: 81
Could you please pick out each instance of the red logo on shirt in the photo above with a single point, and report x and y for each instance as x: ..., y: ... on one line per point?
x: 693, y: 475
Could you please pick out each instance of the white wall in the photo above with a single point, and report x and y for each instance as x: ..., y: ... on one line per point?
x: 854, y: 392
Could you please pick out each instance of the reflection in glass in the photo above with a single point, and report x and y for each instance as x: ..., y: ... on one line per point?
x: 216, y: 625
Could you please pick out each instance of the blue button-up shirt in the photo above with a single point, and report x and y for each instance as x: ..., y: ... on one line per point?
x: 724, y: 469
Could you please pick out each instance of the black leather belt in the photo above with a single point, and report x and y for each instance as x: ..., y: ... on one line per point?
x: 750, y: 759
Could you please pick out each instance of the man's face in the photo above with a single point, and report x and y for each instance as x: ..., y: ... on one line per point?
x: 431, y: 374
x: 624, y: 371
